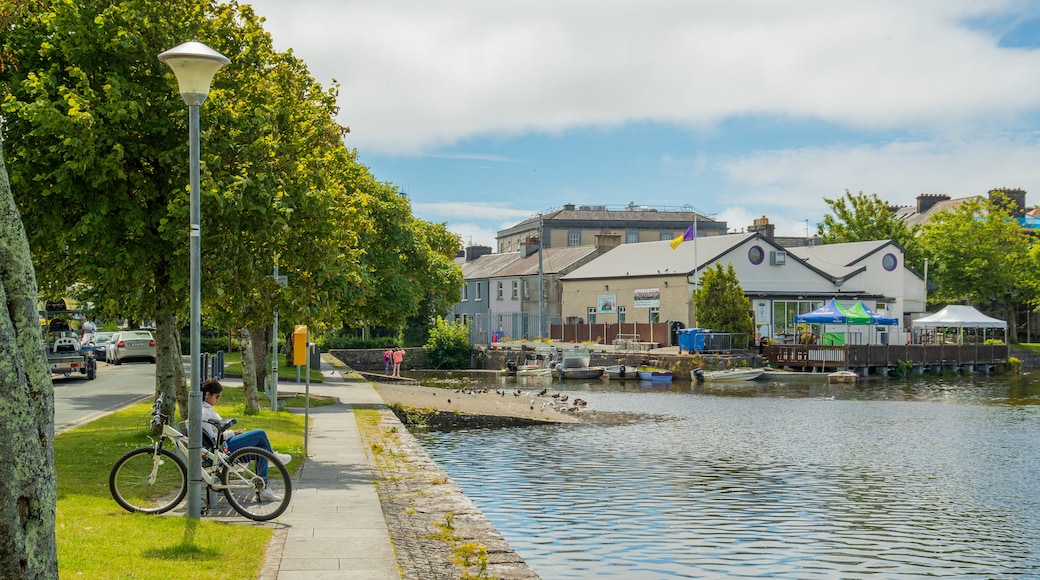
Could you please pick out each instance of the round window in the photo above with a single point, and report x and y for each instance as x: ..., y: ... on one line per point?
x: 755, y: 255
x: 889, y: 262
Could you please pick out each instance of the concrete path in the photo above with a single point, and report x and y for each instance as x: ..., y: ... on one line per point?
x: 334, y: 527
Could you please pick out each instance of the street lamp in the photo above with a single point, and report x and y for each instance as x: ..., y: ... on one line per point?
x: 194, y: 64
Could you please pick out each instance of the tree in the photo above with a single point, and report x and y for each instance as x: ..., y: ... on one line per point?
x: 28, y: 483
x: 863, y: 218
x: 978, y: 253
x: 448, y: 346
x: 720, y: 302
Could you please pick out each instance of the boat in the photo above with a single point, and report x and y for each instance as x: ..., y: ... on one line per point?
x: 745, y: 374
x: 575, y: 359
x: 621, y: 372
x: 842, y: 377
x: 649, y: 373
x: 533, y: 371
x: 772, y: 374
x: 579, y: 372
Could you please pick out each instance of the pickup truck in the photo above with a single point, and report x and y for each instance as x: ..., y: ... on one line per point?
x: 65, y: 356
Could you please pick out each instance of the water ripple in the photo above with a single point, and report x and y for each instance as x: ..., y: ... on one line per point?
x: 895, y: 481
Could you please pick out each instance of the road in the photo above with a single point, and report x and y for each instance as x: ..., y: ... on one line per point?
x: 78, y: 400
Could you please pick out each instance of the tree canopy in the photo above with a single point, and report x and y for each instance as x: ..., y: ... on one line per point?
x: 863, y: 218
x: 720, y: 302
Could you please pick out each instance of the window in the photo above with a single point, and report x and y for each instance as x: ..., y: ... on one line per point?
x: 889, y: 262
x: 785, y: 311
x: 574, y: 238
x: 666, y: 236
x: 621, y: 311
x: 755, y: 255
x: 655, y: 314
x: 527, y: 290
x: 632, y: 237
x: 479, y: 292
x: 592, y: 315
x: 465, y: 292
x: 510, y: 246
x: 516, y: 290
x: 499, y: 294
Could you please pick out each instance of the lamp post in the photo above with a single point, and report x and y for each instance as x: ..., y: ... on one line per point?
x: 194, y: 64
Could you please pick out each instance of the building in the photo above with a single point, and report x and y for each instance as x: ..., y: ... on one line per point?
x: 579, y: 225
x: 500, y: 292
x: 651, y: 282
x: 930, y: 204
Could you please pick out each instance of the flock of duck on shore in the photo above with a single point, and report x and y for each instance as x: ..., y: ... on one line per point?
x: 560, y: 402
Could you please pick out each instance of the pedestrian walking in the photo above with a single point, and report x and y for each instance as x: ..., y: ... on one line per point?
x: 398, y: 359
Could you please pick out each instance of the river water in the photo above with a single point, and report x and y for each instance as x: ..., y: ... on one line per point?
x: 883, y: 479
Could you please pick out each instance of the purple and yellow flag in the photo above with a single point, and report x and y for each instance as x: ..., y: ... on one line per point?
x: 689, y: 234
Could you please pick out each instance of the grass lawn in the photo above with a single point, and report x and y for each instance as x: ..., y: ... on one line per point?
x: 98, y: 539
x: 233, y: 368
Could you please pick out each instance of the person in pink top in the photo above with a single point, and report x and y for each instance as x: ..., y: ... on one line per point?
x: 398, y: 359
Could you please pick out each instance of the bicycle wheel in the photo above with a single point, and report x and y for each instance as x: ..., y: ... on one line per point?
x: 136, y: 489
x: 246, y: 490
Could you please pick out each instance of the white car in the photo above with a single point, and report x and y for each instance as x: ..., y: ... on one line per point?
x: 131, y: 344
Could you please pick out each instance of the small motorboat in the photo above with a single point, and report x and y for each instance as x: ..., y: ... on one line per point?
x: 587, y: 373
x: 842, y: 377
x: 575, y: 358
x: 621, y: 372
x: 649, y: 373
x: 748, y: 374
x: 533, y: 370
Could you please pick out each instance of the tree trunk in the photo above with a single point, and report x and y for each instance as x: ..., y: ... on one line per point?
x: 179, y: 379
x: 252, y: 398
x: 28, y: 484
x: 261, y: 355
x: 167, y: 359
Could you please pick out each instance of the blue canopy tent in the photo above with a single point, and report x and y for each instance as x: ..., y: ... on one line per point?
x: 834, y: 313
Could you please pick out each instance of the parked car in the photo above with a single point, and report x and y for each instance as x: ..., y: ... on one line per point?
x: 131, y: 344
x: 99, y: 341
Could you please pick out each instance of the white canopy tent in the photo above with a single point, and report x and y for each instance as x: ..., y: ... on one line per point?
x: 960, y: 317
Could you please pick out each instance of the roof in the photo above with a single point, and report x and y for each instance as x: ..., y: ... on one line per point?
x: 488, y: 265
x: 658, y: 258
x: 620, y: 217
x: 839, y: 259
x: 908, y: 213
x: 554, y: 261
x: 959, y: 315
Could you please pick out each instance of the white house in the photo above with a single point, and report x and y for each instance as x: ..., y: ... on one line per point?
x: 651, y: 282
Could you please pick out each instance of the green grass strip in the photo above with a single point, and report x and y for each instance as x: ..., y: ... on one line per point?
x: 98, y: 539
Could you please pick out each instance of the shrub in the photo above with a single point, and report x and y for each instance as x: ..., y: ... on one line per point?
x: 1014, y: 365
x: 211, y: 344
x: 340, y: 339
x: 448, y: 346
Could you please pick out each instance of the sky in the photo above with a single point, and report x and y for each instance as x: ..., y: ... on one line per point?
x: 487, y: 112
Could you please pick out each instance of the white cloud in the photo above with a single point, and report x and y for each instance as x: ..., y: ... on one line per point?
x: 469, y: 210
x: 418, y: 74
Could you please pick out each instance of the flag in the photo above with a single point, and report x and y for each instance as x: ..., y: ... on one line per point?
x: 689, y: 234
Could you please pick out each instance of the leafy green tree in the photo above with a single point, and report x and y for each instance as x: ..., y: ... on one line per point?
x: 720, y: 302
x: 865, y: 218
x: 978, y: 253
x: 28, y: 482
x: 448, y: 346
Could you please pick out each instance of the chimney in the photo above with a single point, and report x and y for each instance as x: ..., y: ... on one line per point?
x: 568, y: 207
x: 763, y: 227
x: 1016, y: 200
x: 607, y: 241
x: 528, y: 247
x: 474, y: 252
x: 925, y: 201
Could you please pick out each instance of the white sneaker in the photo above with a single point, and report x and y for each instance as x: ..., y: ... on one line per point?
x: 285, y: 458
x: 268, y: 495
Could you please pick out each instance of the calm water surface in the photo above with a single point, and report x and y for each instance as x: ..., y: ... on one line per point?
x: 886, y: 479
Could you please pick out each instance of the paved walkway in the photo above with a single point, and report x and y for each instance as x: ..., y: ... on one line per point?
x: 334, y: 527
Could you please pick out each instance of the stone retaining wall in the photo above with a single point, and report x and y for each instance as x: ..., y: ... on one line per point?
x: 432, y: 524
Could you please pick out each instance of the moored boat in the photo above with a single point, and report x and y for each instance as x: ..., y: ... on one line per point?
x: 842, y: 377
x: 747, y: 374
x: 575, y: 359
x: 621, y: 372
x: 579, y: 372
x: 649, y: 373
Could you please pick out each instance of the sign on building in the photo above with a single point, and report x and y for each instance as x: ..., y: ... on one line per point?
x: 606, y: 303
x: 646, y: 298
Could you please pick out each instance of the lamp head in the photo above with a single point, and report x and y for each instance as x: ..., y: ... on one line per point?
x: 194, y: 64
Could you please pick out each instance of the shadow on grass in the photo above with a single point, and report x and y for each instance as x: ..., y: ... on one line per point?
x: 187, y: 550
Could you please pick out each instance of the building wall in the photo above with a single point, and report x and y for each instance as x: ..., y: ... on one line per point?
x: 580, y: 295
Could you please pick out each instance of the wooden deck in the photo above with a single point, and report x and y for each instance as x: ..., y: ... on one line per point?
x: 878, y: 356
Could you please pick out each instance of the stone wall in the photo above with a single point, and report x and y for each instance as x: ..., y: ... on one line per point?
x: 371, y: 359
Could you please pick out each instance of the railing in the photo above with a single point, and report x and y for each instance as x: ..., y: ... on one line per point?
x: 877, y: 355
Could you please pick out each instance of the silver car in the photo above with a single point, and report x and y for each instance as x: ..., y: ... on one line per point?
x: 131, y: 344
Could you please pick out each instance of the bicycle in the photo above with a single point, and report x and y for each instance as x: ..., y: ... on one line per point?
x: 154, y: 480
